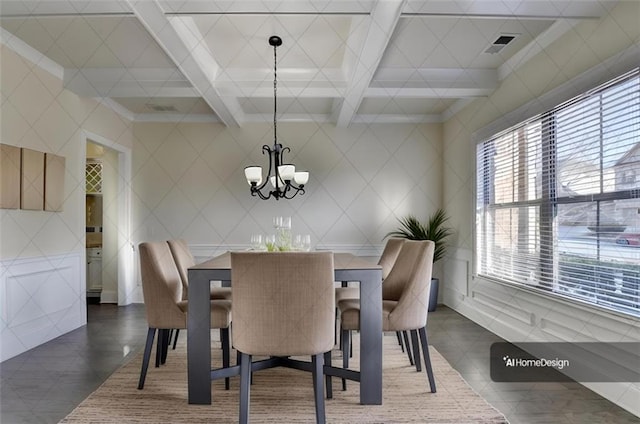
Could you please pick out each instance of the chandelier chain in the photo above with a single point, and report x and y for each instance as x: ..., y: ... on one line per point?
x: 275, y: 94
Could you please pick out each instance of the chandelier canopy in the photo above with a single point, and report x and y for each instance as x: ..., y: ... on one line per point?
x: 285, y: 181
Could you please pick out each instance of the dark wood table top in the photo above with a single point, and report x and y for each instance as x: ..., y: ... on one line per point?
x: 341, y: 261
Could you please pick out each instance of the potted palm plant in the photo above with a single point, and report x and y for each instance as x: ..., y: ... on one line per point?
x: 435, y: 230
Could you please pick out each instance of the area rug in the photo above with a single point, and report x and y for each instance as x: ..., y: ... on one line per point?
x: 283, y: 395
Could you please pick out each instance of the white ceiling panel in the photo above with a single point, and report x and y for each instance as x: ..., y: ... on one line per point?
x: 404, y: 106
x: 165, y: 105
x: 340, y: 61
x: 287, y: 105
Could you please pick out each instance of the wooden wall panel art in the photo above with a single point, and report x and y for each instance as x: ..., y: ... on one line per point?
x: 9, y: 177
x: 32, y: 185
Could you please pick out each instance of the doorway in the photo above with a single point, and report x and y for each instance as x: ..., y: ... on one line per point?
x: 98, y: 183
x: 109, y: 255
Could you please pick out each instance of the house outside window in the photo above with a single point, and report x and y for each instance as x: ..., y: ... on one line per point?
x: 558, y: 200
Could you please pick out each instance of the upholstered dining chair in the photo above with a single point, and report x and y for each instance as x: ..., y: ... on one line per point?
x: 405, y: 294
x: 283, y: 305
x: 387, y: 259
x: 164, y: 304
x: 184, y: 260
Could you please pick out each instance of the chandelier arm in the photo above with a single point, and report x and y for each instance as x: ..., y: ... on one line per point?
x: 266, y: 149
x: 299, y: 190
x: 282, y: 151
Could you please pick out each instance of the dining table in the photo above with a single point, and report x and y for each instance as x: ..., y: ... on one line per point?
x: 347, y: 267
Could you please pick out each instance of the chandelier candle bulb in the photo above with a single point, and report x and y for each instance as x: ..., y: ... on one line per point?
x: 287, y: 172
x: 301, y: 178
x: 253, y: 174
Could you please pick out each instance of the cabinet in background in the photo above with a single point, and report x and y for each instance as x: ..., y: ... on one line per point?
x: 94, y: 274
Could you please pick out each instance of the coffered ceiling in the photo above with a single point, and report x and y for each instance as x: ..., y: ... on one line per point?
x: 341, y: 61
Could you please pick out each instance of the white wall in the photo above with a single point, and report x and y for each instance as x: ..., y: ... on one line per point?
x: 38, y: 113
x: 515, y: 314
x: 189, y: 182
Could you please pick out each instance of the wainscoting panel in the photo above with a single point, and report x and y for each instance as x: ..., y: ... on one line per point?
x: 41, y: 299
x: 457, y: 272
x: 520, y: 315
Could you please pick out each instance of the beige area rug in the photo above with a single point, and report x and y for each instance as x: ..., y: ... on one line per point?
x: 282, y: 395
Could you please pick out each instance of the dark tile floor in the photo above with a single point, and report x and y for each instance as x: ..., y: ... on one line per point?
x: 46, y: 383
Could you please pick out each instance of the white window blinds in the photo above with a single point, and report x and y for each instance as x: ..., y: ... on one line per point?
x: 558, y: 199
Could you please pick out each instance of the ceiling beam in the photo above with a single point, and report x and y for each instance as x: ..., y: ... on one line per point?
x: 190, y: 56
x: 382, y: 23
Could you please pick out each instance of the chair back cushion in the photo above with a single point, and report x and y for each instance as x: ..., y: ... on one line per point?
x: 411, y: 272
x: 389, y: 255
x: 183, y: 259
x: 401, y: 271
x: 283, y: 302
x: 161, y: 286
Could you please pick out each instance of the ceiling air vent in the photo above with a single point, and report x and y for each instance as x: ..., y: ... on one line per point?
x: 500, y: 43
x: 161, y: 108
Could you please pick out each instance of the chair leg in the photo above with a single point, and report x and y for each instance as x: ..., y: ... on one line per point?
x: 175, y: 339
x: 427, y: 358
x: 145, y: 359
x: 399, y: 337
x: 245, y: 375
x: 335, y: 319
x: 328, y: 384
x: 159, y: 347
x: 416, y: 350
x: 407, y: 346
x: 346, y: 351
x: 165, y: 345
x: 224, y: 340
x: 318, y: 366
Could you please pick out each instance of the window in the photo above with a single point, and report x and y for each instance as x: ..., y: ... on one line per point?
x: 558, y: 201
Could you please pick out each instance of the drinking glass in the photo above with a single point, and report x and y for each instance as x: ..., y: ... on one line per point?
x: 270, y: 243
x: 306, y: 242
x: 257, y: 242
x: 297, y: 242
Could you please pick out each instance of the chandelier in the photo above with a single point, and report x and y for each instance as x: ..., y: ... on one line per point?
x: 285, y: 181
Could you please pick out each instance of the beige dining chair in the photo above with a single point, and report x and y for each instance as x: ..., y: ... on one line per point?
x: 165, y: 307
x: 405, y: 301
x: 283, y: 305
x: 387, y: 259
x: 184, y: 260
